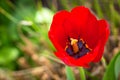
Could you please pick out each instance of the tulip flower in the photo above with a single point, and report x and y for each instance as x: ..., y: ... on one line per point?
x: 78, y: 36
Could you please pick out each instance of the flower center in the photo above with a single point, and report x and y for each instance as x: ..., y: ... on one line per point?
x: 77, y: 48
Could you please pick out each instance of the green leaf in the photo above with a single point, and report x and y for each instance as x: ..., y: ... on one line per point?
x: 7, y: 55
x: 113, y: 69
x: 69, y: 73
x: 117, y: 67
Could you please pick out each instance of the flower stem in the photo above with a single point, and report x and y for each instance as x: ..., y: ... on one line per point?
x: 69, y: 73
x: 82, y: 73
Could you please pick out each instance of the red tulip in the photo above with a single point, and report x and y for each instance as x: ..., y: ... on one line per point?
x: 78, y: 36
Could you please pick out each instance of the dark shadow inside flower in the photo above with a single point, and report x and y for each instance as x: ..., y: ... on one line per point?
x: 77, y: 48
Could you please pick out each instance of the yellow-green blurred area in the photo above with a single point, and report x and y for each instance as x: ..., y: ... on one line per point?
x: 26, y: 52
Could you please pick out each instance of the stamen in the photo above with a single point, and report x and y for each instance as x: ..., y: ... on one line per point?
x: 77, y: 48
x: 69, y: 50
x: 88, y: 47
x: 82, y: 40
x: 83, y: 52
x: 80, y: 44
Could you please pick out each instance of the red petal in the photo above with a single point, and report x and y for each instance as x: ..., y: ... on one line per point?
x: 69, y: 60
x: 91, y: 31
x: 74, y: 25
x: 104, y: 33
x: 57, y: 31
x: 83, y: 24
x: 79, y: 15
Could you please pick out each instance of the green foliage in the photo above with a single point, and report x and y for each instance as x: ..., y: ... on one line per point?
x: 113, y: 69
x: 8, y: 54
x: 16, y: 19
x: 117, y: 66
x: 69, y: 73
x: 82, y: 73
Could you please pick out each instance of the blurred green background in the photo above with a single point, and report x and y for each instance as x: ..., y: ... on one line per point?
x: 26, y: 52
